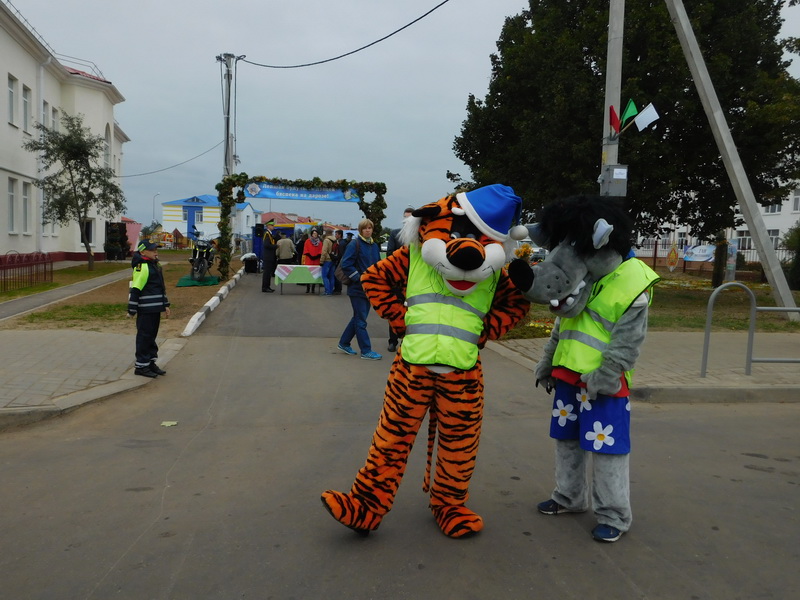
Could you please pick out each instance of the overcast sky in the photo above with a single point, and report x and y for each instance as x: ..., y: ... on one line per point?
x: 389, y: 113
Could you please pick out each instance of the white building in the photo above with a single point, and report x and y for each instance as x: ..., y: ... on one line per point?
x: 41, y: 88
x: 778, y: 219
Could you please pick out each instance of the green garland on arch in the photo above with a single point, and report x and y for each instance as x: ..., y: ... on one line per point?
x: 238, y: 181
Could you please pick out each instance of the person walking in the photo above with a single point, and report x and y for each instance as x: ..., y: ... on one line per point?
x: 312, y: 252
x: 326, y: 260
x: 268, y: 257
x: 391, y: 245
x: 360, y: 254
x: 147, y: 299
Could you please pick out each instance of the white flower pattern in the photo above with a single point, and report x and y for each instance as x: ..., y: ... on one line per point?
x: 585, y: 401
x: 564, y: 413
x: 601, y: 436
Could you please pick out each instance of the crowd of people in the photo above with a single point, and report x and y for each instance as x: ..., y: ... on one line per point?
x: 355, y: 253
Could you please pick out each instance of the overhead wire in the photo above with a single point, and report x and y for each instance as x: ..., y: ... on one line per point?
x: 177, y: 165
x: 311, y: 64
x: 327, y: 60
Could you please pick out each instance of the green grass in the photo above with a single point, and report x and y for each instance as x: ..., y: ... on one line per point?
x: 79, y: 313
x: 680, y: 303
x: 70, y: 275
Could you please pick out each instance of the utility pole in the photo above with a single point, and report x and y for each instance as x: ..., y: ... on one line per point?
x: 730, y: 157
x: 227, y: 79
x: 613, y: 177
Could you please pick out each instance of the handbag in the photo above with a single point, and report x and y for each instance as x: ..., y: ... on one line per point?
x: 339, y: 273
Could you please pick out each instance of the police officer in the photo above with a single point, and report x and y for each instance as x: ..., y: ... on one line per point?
x: 147, y: 300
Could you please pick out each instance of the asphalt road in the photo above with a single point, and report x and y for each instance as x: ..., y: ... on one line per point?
x: 108, y: 502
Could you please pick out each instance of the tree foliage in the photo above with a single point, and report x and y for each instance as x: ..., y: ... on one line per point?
x: 540, y: 126
x: 76, y: 182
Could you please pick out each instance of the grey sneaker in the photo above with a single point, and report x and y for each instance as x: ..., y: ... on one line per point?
x: 347, y: 350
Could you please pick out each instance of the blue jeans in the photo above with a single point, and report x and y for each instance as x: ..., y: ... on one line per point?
x: 327, y: 276
x: 358, y: 325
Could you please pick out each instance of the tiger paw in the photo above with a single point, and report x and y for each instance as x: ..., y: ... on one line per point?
x: 457, y: 521
x: 350, y: 512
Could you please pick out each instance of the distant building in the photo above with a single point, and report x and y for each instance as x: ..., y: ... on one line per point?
x: 41, y: 88
x: 202, y: 212
x: 778, y: 219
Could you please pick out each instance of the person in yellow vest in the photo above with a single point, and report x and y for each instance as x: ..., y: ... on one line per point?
x: 147, y: 299
x: 599, y: 294
x: 455, y: 296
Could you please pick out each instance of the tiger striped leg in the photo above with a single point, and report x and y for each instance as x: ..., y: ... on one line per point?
x: 350, y: 512
x: 458, y: 419
x: 457, y: 521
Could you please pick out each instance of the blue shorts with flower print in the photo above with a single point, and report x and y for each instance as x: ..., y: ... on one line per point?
x: 601, y: 425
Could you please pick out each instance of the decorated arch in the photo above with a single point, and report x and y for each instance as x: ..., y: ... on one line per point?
x: 235, y: 188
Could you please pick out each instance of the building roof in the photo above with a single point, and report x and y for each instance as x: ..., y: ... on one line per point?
x: 204, y: 199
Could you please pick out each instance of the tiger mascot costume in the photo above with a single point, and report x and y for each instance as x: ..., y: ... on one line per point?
x: 457, y: 295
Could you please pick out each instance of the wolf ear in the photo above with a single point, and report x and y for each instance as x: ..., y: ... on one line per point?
x: 601, y: 233
x: 536, y: 234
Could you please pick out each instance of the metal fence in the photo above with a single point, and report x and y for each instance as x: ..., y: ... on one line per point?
x: 645, y: 248
x: 18, y: 271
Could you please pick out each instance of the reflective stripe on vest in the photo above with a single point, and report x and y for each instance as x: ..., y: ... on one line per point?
x: 442, y: 328
x: 583, y: 339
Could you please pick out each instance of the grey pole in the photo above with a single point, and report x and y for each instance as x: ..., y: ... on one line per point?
x: 616, y: 26
x: 227, y: 58
x: 730, y: 156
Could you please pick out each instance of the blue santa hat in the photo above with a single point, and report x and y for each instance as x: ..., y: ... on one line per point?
x: 494, y: 209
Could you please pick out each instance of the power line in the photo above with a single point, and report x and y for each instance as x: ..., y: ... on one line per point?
x: 319, y: 62
x: 173, y: 166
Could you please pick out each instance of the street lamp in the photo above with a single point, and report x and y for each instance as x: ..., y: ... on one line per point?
x: 154, y: 206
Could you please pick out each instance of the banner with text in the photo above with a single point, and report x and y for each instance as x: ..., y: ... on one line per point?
x: 269, y: 190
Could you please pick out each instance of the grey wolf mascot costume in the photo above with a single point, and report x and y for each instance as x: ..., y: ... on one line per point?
x: 599, y: 294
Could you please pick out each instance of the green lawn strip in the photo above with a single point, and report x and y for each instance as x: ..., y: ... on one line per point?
x: 79, y: 313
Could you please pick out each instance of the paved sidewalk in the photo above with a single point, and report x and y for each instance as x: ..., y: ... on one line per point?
x: 668, y: 369
x: 45, y: 373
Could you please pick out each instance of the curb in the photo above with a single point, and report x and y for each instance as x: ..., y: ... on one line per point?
x: 686, y: 393
x: 213, y: 303
x: 15, y: 417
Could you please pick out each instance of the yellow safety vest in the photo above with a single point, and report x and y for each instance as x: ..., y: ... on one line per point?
x: 583, y: 339
x: 442, y: 328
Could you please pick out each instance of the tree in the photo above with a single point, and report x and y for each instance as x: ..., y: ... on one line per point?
x: 791, y: 240
x: 76, y: 183
x: 540, y: 126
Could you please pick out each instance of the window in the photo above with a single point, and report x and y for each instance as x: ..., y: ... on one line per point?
x: 12, y: 99
x: 45, y: 113
x: 198, y: 216
x: 56, y: 122
x: 12, y: 201
x: 774, y: 237
x: 185, y: 214
x: 772, y: 209
x: 796, y: 201
x: 26, y: 207
x: 26, y: 108
x: 107, y: 149
x: 87, y: 228
x: 745, y: 241
x: 682, y: 241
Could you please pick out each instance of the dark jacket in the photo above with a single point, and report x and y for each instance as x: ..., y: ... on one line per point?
x: 147, y: 293
x: 393, y: 243
x: 358, y: 257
